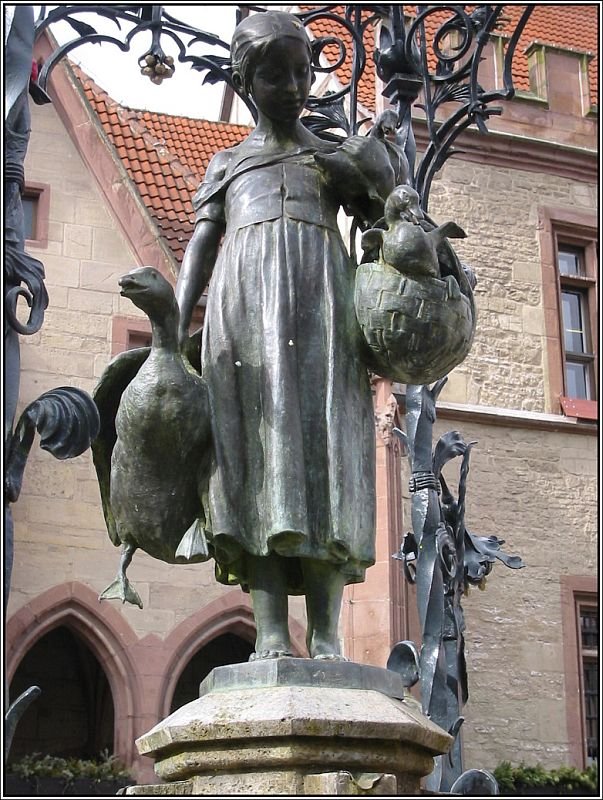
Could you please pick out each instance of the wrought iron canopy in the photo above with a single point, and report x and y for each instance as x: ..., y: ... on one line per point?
x: 427, y: 53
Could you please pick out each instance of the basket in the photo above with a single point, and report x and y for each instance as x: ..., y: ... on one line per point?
x: 415, y: 329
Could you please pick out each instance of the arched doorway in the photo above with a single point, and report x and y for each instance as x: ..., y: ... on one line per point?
x: 228, y: 648
x: 74, y: 715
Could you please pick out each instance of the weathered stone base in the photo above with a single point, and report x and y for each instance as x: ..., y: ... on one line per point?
x: 286, y: 782
x: 294, y: 727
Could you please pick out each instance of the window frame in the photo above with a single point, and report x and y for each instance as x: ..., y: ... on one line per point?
x: 585, y: 655
x: 575, y: 230
x: 576, y: 592
x: 581, y: 286
x: 124, y: 329
x: 41, y: 193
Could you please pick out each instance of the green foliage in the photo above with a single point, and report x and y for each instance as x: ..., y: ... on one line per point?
x: 512, y: 779
x: 105, y: 768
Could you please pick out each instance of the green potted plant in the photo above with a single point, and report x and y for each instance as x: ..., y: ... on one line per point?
x: 38, y: 775
x: 536, y: 781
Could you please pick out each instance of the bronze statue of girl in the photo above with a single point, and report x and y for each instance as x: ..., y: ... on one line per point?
x: 291, y: 496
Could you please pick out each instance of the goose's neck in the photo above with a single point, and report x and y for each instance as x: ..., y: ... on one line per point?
x: 164, y: 329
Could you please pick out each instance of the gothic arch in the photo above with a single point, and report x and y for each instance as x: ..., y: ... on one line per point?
x: 230, y: 613
x: 107, y: 635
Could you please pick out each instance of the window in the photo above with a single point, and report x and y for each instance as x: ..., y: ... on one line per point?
x: 575, y: 317
x: 580, y: 618
x: 36, y: 205
x: 30, y: 213
x: 589, y: 642
x: 568, y: 242
x: 129, y: 333
x: 138, y: 339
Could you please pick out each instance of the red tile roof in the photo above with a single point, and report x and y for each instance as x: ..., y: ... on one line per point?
x: 165, y: 156
x: 326, y: 27
x: 568, y: 26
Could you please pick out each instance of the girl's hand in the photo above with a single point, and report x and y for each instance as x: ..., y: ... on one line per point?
x: 360, y: 166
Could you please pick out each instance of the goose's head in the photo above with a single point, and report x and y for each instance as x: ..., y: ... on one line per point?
x: 149, y: 290
x: 403, y: 203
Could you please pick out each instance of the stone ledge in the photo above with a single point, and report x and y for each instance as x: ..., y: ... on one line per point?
x: 513, y: 418
x: 303, y: 672
x: 291, y: 711
x: 175, y: 789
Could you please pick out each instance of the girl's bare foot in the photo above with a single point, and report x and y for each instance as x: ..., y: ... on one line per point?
x: 264, y: 654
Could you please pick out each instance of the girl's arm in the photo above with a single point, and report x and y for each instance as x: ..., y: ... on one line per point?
x: 201, y: 252
x: 360, y: 174
x: 197, y: 265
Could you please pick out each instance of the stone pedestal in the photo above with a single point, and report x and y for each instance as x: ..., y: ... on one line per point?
x: 294, y: 727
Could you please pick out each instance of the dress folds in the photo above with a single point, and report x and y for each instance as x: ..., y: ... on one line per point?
x: 292, y: 413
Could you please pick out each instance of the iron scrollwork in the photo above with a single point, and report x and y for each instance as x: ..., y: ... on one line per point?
x: 403, y: 61
x: 443, y: 558
x: 66, y: 417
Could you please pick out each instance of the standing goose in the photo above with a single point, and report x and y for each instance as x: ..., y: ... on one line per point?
x: 152, y: 454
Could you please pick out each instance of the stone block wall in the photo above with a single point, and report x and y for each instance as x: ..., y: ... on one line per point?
x: 498, y: 209
x: 537, y: 490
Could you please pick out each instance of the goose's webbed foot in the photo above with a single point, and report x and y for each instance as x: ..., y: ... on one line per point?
x: 121, y: 588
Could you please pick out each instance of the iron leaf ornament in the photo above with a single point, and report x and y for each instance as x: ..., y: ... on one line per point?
x: 443, y: 558
x: 67, y: 421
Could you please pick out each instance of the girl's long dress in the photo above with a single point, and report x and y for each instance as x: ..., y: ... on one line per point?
x: 293, y: 423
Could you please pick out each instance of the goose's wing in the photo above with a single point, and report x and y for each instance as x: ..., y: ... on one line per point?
x: 449, y: 230
x: 449, y: 261
x: 107, y: 396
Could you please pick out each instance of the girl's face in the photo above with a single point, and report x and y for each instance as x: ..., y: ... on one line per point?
x: 281, y: 80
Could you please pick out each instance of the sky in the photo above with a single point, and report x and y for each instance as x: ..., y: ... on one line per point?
x: 119, y: 73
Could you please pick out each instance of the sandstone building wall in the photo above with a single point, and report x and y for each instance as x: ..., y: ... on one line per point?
x: 537, y: 490
x: 499, y: 211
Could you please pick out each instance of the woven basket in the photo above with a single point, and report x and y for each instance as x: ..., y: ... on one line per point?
x: 415, y: 331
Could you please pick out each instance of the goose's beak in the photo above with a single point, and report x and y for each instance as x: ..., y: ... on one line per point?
x: 130, y: 285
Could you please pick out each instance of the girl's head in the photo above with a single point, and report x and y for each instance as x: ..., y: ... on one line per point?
x: 253, y: 37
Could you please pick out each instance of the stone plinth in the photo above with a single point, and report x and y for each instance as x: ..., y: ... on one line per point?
x: 294, y: 726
